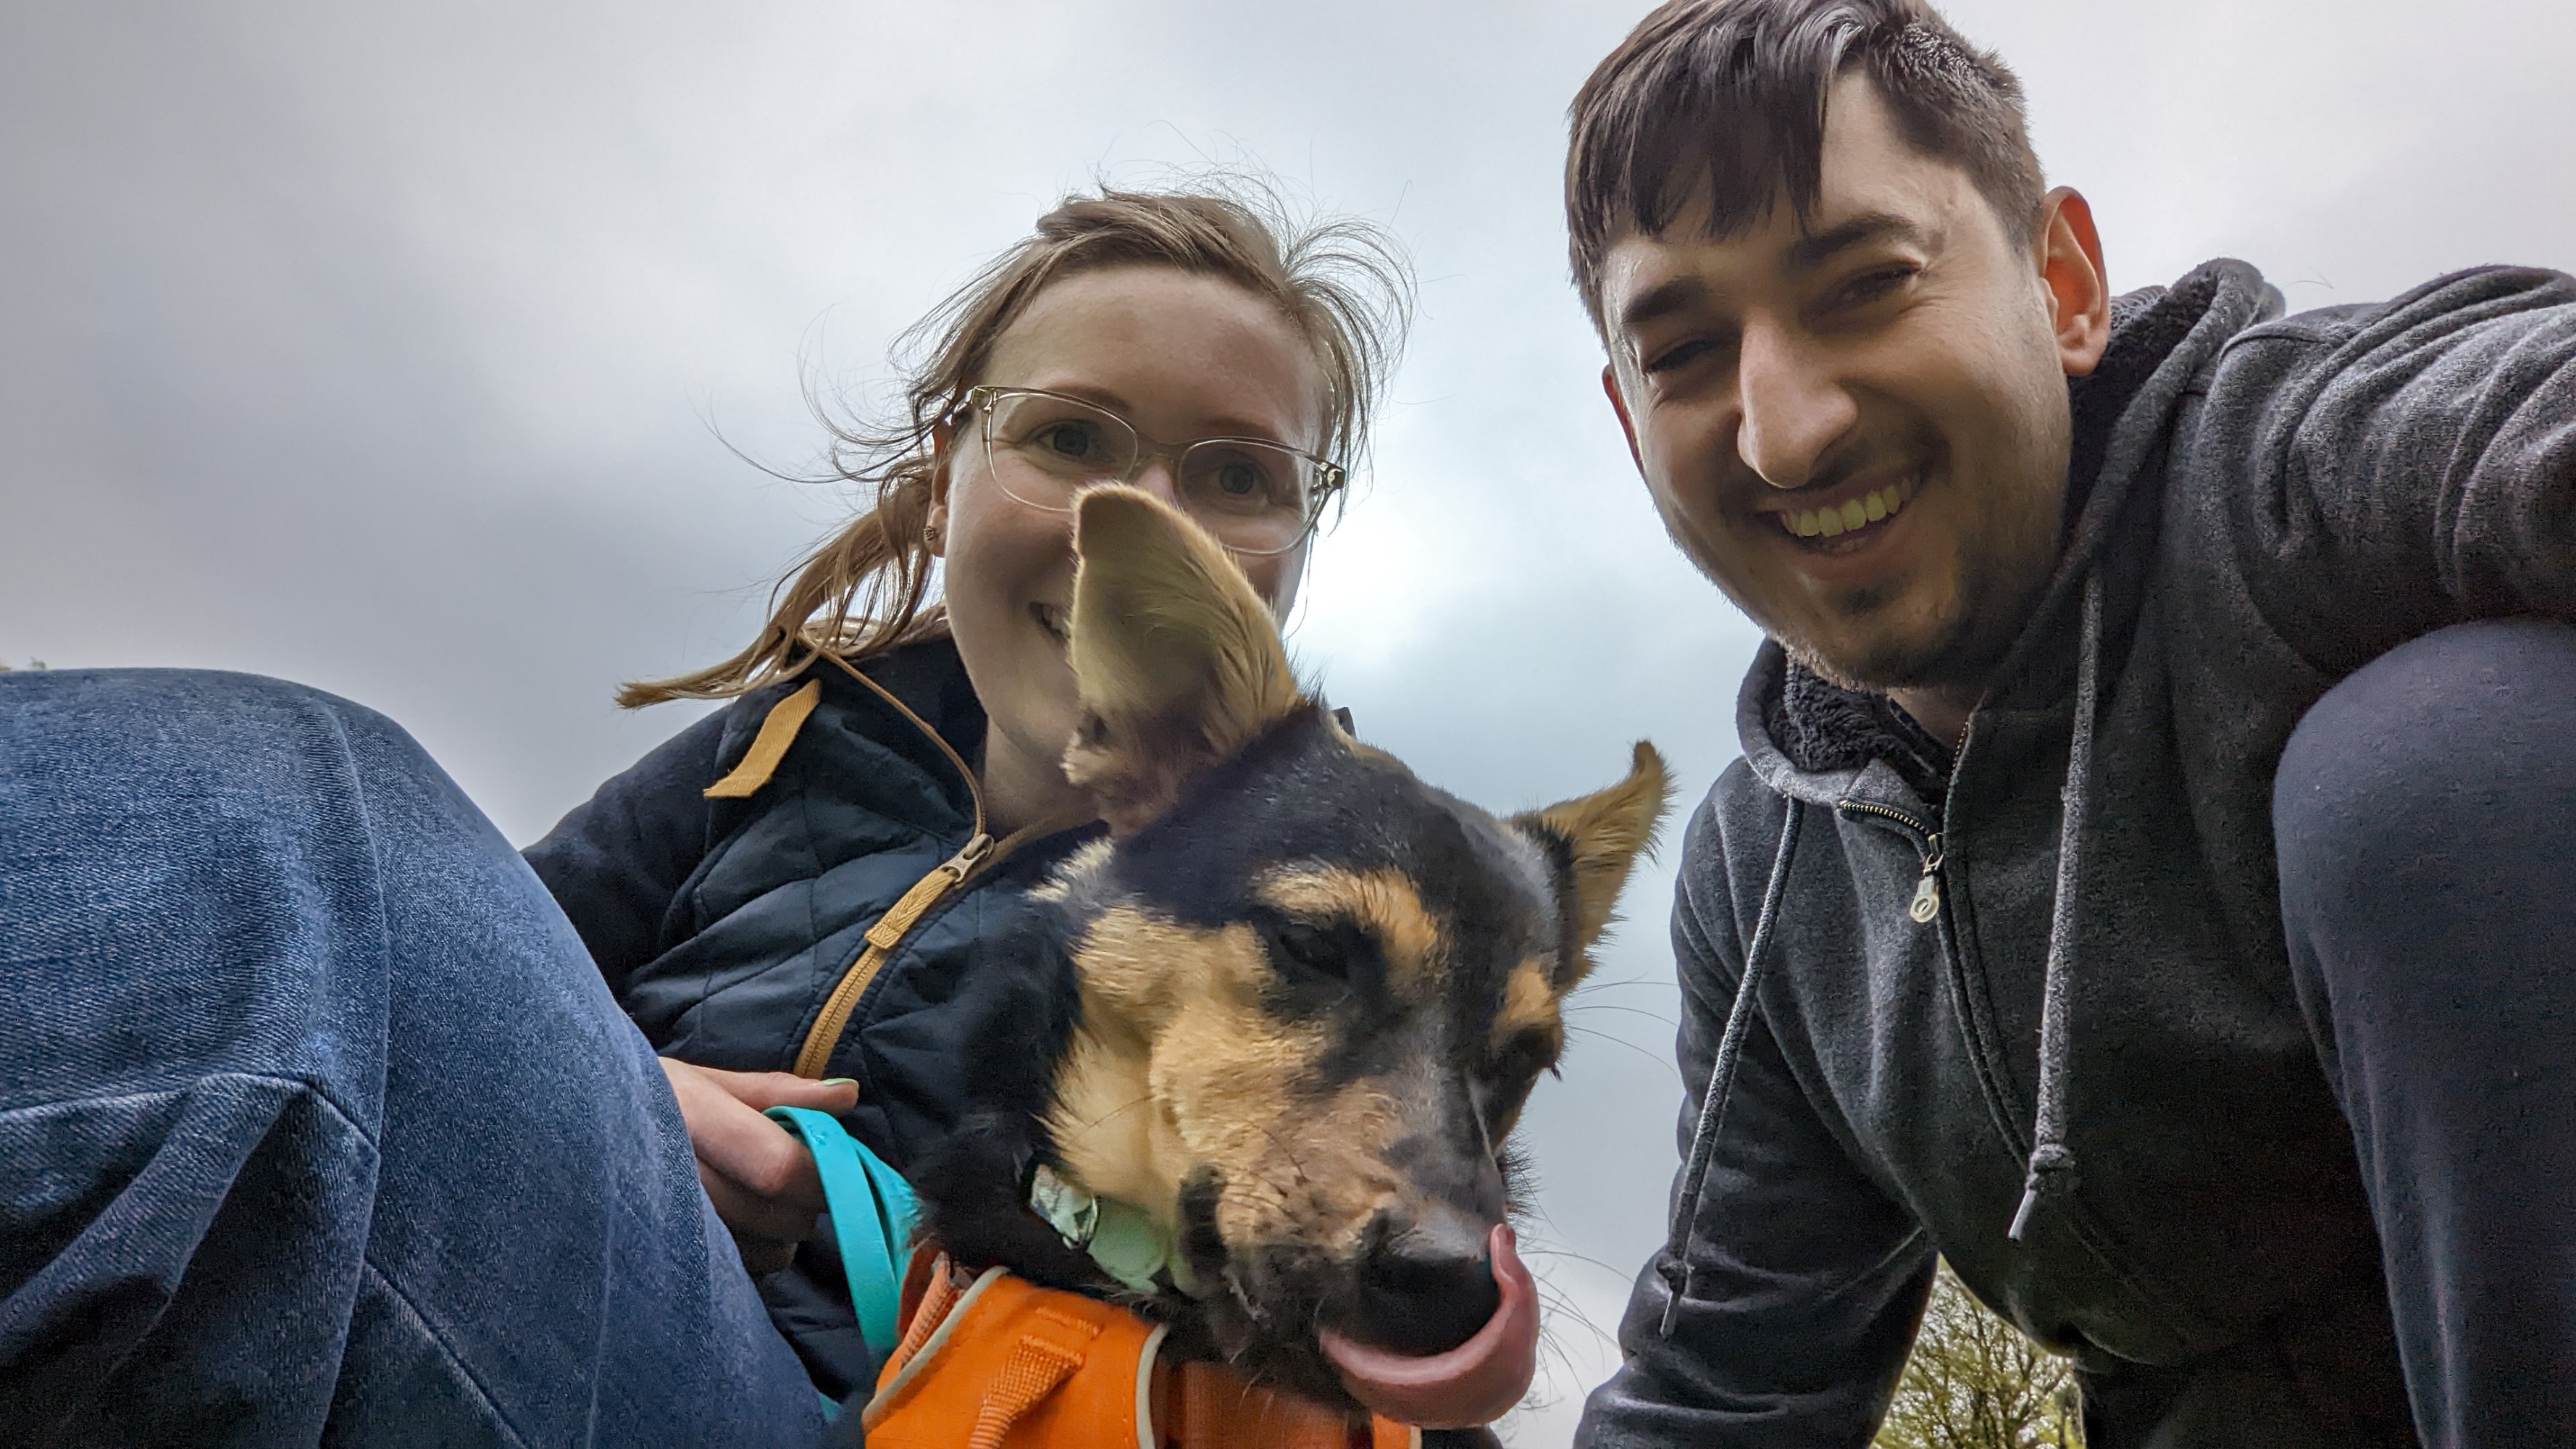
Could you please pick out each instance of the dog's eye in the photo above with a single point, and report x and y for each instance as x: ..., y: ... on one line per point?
x: 1309, y: 949
x: 1303, y: 948
x: 1525, y: 1055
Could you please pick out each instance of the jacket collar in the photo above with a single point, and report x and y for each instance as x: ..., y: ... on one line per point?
x: 930, y: 679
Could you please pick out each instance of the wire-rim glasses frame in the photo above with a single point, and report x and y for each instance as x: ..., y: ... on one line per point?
x: 1323, y: 479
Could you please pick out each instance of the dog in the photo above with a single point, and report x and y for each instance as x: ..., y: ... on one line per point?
x: 1281, y: 1019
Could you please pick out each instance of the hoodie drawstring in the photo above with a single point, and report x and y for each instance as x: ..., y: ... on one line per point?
x: 1675, y: 1267
x: 2052, y: 1163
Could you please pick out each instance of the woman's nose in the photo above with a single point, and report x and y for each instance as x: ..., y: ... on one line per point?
x: 1158, y: 477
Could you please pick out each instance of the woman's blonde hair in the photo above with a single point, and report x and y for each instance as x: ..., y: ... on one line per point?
x: 867, y: 588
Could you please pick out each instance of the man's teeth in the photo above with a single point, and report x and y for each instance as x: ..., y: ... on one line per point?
x: 1859, y: 513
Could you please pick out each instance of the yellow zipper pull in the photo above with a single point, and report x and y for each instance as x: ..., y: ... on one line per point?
x: 970, y: 855
x: 889, y: 930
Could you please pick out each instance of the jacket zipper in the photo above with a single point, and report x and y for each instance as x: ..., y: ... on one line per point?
x: 1927, y: 890
x: 980, y: 851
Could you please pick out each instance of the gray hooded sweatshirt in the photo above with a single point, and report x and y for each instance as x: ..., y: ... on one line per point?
x: 2055, y: 994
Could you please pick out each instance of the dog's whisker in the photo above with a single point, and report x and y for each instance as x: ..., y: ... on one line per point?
x: 1114, y: 1114
x: 1573, y: 1007
x: 1568, y: 1253
x: 1592, y: 984
x: 1572, y: 1030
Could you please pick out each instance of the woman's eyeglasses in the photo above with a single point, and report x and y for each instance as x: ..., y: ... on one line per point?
x: 1253, y: 496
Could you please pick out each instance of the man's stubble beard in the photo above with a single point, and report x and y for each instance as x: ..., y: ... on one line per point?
x: 1998, y: 591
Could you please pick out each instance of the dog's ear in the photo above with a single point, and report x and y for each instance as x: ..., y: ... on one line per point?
x: 1176, y: 659
x: 1591, y: 842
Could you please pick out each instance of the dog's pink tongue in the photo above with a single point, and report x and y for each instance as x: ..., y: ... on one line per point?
x: 1475, y: 1383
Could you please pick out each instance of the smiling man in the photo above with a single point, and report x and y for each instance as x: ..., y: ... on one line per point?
x: 2142, y: 882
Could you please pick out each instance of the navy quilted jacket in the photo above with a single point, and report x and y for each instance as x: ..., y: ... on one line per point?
x: 724, y: 926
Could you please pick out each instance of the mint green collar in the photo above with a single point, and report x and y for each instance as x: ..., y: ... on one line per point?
x: 1122, y: 1238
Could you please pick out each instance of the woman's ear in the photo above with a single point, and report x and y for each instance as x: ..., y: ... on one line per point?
x: 934, y: 524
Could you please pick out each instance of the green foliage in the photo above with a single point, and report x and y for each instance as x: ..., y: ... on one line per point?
x: 1974, y: 1382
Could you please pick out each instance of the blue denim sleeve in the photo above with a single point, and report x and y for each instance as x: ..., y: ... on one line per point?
x: 315, y: 1127
x: 617, y: 861
x: 1804, y: 1280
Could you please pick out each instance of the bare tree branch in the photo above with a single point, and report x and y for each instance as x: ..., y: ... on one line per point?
x: 1974, y: 1382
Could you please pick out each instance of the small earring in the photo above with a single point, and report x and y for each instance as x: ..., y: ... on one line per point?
x: 930, y: 536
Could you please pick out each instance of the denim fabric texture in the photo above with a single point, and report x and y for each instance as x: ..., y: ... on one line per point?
x: 317, y: 1125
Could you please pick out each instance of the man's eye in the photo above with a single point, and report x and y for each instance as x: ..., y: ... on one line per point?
x: 1679, y: 356
x: 1870, y: 286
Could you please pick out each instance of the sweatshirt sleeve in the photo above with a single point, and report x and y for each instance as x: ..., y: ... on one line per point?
x: 2418, y: 455
x: 1804, y: 1281
x: 616, y: 863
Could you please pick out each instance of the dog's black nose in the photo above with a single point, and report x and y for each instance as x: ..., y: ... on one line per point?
x: 1426, y: 1283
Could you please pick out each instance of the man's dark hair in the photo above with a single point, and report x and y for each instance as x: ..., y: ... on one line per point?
x: 1733, y: 92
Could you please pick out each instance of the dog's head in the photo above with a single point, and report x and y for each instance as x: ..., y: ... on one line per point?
x: 1314, y: 992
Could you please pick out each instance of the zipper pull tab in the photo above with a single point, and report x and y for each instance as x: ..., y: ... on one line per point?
x: 963, y: 863
x: 1927, y: 893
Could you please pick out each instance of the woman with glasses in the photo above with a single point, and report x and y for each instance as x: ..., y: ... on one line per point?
x: 794, y: 897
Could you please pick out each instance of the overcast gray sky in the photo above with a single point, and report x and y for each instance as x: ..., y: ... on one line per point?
x: 378, y: 347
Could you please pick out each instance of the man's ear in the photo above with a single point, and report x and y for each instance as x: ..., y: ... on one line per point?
x: 2079, y: 290
x: 1176, y: 660
x: 1619, y: 405
x: 1591, y: 842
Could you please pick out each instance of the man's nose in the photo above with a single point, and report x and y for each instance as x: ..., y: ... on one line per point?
x: 1794, y: 411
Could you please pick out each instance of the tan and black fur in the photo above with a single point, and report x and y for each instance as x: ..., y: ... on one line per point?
x: 1292, y: 1005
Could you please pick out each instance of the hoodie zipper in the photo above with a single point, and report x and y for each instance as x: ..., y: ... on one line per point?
x: 1927, y: 889
x: 1984, y: 1054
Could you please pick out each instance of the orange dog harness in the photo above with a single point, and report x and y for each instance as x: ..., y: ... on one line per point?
x: 1001, y: 1363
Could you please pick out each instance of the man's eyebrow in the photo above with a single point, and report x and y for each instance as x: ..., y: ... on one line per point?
x: 1662, y: 300
x: 1806, y: 254
x: 1817, y: 248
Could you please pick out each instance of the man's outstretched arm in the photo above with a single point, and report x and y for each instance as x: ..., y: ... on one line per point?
x: 2419, y: 454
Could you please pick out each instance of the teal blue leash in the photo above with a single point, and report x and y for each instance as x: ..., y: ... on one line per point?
x: 873, y: 1212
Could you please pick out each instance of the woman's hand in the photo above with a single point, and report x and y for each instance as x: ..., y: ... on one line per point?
x: 760, y: 1178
